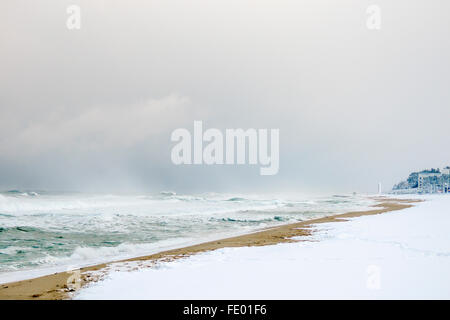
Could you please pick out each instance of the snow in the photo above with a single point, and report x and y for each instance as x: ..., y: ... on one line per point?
x: 397, y: 255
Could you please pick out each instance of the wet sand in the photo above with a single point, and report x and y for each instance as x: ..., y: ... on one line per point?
x: 55, y: 286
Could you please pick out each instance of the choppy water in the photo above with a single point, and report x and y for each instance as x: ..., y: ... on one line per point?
x: 40, y: 231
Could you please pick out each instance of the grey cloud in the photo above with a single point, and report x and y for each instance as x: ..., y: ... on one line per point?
x: 95, y: 107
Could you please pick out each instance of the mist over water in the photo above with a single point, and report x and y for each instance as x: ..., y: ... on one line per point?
x: 43, y: 230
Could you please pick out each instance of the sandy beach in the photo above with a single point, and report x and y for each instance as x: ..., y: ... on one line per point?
x: 54, y: 286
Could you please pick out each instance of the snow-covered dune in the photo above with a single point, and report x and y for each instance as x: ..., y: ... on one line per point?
x: 400, y: 254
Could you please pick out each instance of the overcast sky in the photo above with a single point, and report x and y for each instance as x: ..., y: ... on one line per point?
x: 93, y: 109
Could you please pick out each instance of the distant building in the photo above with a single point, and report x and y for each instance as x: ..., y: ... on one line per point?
x: 425, y: 181
x: 422, y: 179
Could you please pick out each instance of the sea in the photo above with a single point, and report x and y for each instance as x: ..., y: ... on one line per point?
x: 46, y: 232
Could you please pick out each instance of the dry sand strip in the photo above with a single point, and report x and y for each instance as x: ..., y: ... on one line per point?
x: 54, y: 286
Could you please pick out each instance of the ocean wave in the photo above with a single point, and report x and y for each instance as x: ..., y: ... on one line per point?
x: 13, y: 250
x: 236, y: 199
x: 168, y: 193
x: 18, y: 228
x: 83, y: 255
x: 30, y: 194
x: 14, y: 191
x: 262, y: 220
x: 6, y: 215
x: 21, y: 193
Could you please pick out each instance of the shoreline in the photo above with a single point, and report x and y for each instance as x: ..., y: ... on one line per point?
x: 54, y: 286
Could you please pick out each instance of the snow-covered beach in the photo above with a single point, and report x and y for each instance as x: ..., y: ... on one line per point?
x: 401, y: 254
